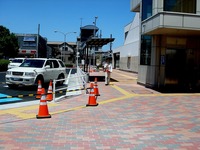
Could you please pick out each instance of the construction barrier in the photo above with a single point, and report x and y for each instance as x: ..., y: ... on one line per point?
x: 73, y: 85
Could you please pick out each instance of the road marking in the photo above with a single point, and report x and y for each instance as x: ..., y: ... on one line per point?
x: 116, y: 99
x: 6, y: 98
x: 19, y: 112
x: 120, y: 89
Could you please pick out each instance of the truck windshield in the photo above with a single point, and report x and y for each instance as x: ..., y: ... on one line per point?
x: 17, y: 61
x: 34, y: 63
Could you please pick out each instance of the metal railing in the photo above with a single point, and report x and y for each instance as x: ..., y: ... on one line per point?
x: 73, y: 82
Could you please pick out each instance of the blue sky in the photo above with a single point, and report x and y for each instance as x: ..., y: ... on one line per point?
x: 23, y: 16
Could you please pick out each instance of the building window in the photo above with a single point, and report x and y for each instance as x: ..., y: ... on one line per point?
x: 146, y: 9
x: 145, y: 55
x: 185, y: 6
x: 129, y: 62
x: 126, y: 33
x: 65, y: 48
x: 29, y: 41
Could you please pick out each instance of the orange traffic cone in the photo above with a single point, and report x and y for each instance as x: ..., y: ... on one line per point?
x: 91, y: 85
x: 39, y: 90
x: 96, y: 90
x: 92, y: 98
x: 43, y: 109
x: 49, y: 96
x: 89, y: 88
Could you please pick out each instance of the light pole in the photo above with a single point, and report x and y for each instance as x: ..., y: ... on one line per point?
x: 94, y: 57
x: 77, y: 56
x: 65, y: 34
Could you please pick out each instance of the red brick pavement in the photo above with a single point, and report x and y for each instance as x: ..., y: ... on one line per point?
x: 128, y: 117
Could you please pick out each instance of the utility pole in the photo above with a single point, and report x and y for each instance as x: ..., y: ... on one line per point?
x: 38, y: 36
x: 95, y: 22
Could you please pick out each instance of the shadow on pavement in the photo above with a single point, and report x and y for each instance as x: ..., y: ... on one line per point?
x: 100, y: 79
x: 177, y: 89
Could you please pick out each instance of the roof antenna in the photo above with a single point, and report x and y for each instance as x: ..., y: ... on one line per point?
x: 81, y: 21
x: 95, y: 23
x: 100, y: 34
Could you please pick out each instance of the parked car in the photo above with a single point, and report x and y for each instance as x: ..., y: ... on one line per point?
x: 16, y: 62
x: 34, y: 69
x: 11, y: 59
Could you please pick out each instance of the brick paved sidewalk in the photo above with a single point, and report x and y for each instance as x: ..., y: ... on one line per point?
x: 125, y: 119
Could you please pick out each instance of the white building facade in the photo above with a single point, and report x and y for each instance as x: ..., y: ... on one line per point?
x: 126, y: 56
x: 169, y: 43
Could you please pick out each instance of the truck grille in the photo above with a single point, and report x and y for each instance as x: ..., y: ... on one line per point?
x: 18, y: 73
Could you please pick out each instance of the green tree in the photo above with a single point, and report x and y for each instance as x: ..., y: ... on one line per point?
x: 8, y: 43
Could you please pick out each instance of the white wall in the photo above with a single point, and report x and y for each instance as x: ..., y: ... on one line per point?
x: 131, y: 45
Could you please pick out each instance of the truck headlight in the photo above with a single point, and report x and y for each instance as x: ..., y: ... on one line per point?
x: 8, y: 72
x: 31, y: 74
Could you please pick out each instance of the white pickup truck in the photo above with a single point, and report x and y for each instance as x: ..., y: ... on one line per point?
x: 34, y: 69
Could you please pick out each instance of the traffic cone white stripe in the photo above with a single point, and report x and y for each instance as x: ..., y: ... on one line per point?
x: 43, y: 103
x: 49, y: 96
x: 39, y: 90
